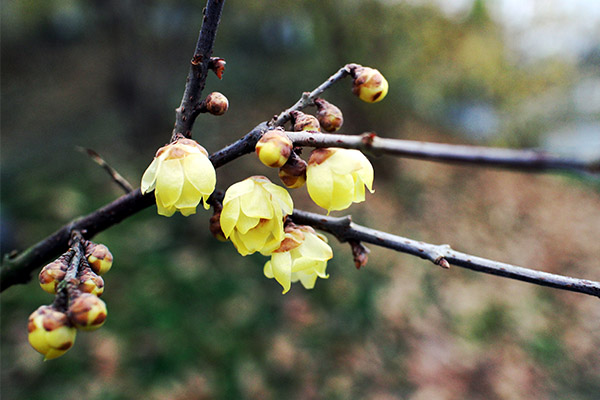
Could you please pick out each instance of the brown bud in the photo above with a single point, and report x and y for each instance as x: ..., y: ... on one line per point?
x: 215, y: 224
x: 99, y: 258
x: 330, y: 117
x: 305, y: 122
x: 274, y: 148
x: 217, y: 64
x: 216, y: 103
x: 91, y: 283
x: 87, y: 312
x: 52, y: 274
x: 293, y: 172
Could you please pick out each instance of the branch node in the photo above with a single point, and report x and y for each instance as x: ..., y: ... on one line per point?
x: 360, y: 253
x: 442, y: 262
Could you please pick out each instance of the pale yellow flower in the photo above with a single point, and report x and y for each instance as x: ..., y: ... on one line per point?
x: 50, y: 332
x: 181, y: 175
x: 302, y: 256
x: 253, y: 214
x: 336, y: 178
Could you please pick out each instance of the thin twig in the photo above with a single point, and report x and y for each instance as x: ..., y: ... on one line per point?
x: 186, y: 113
x: 524, y: 160
x: 345, y: 230
x: 308, y: 98
x: 118, y: 178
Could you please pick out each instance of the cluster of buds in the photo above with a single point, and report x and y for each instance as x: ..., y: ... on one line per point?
x: 74, y: 278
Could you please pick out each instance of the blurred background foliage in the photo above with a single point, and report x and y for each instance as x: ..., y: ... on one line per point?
x: 191, y: 319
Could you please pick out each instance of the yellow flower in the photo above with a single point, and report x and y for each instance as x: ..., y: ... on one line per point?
x: 50, y: 332
x: 180, y: 175
x: 336, y: 177
x: 253, y: 214
x: 302, y: 256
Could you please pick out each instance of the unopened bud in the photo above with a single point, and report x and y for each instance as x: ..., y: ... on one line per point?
x: 293, y: 172
x: 52, y: 274
x: 274, y: 148
x: 330, y: 117
x: 369, y: 84
x: 50, y: 332
x: 215, y: 224
x: 216, y: 103
x: 91, y: 283
x: 87, y: 312
x: 217, y: 64
x: 99, y: 258
x: 305, y: 122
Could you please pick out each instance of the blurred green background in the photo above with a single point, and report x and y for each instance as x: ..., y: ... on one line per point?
x: 191, y: 319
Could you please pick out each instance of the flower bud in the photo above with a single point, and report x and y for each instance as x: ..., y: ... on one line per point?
x: 217, y: 64
x: 87, y: 312
x: 99, y: 258
x: 369, y: 84
x: 293, y: 172
x: 274, y: 148
x: 50, y: 332
x: 305, y: 122
x: 91, y: 283
x: 217, y: 103
x: 330, y: 117
x: 215, y: 225
x: 52, y: 274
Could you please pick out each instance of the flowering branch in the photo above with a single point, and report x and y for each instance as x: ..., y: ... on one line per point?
x: 524, y: 160
x: 201, y: 62
x: 345, y: 230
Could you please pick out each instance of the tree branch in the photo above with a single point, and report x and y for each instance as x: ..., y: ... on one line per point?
x: 307, y: 98
x: 118, y: 178
x: 524, y: 160
x: 186, y: 113
x: 345, y: 230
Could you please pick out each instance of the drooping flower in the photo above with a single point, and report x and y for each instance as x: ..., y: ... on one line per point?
x: 302, y: 256
x: 253, y: 214
x: 336, y: 177
x: 181, y: 175
x: 50, y: 332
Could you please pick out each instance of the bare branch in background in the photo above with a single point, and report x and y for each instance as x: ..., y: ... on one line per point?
x: 345, y: 230
x: 523, y: 160
x: 118, y: 178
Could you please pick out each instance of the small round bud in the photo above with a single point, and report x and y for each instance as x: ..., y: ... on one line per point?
x: 91, y: 283
x: 274, y: 148
x: 50, y: 332
x: 217, y: 103
x: 293, y: 172
x: 330, y: 117
x: 99, y: 258
x: 369, y: 84
x: 52, y: 274
x: 215, y: 224
x: 305, y: 122
x: 87, y: 312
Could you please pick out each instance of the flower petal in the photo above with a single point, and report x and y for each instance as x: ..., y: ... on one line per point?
x: 257, y: 204
x: 281, y: 197
x: 229, y: 216
x: 343, y: 192
x: 149, y: 177
x: 245, y: 223
x: 238, y: 189
x: 281, y: 264
x: 169, y: 182
x: 200, y: 172
x: 319, y: 183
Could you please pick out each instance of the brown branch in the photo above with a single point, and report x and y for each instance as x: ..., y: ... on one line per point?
x: 524, y: 160
x: 345, y: 230
x: 186, y: 113
x: 308, y: 98
x: 118, y: 178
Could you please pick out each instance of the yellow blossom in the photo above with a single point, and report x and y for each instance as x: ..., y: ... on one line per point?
x: 50, y: 332
x: 253, y: 214
x: 181, y: 175
x: 302, y: 256
x: 336, y: 177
